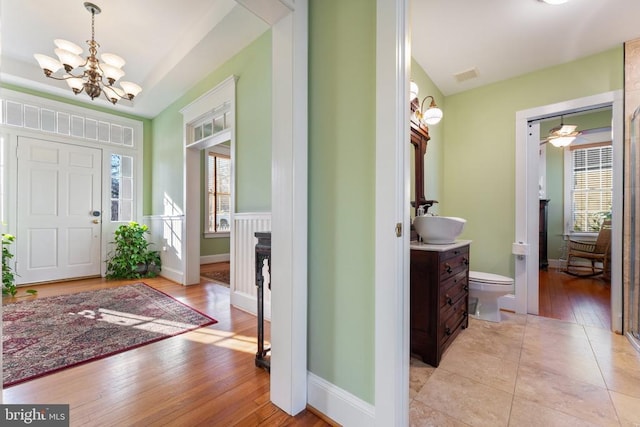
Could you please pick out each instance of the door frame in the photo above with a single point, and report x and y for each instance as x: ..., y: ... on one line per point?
x: 392, y: 187
x: 288, y: 385
x: 527, y: 205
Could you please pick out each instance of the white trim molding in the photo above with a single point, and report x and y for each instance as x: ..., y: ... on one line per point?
x: 223, y: 95
x: 339, y: 405
x: 209, y: 259
x: 393, y: 61
x: 289, y: 178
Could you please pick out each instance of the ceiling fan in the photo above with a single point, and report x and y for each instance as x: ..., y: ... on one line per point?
x: 561, y: 136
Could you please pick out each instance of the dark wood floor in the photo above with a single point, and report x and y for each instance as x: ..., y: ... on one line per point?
x: 586, y: 301
x: 205, y: 377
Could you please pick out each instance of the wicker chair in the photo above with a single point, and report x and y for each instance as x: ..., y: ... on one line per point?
x: 595, y: 252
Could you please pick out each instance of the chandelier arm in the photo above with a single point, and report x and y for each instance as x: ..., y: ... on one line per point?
x: 70, y: 76
x: 112, y: 89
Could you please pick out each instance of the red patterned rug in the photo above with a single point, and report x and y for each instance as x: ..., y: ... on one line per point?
x: 45, y: 335
x: 222, y: 277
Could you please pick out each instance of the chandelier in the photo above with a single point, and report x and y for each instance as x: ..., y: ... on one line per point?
x: 91, y: 75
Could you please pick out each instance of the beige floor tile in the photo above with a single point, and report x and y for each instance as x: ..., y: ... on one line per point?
x: 491, y: 342
x: 557, y: 341
x: 530, y: 414
x: 555, y: 326
x: 481, y: 367
x: 467, y: 400
x: 576, y: 398
x: 606, y: 343
x: 621, y: 372
x: 422, y: 415
x: 511, y: 330
x: 419, y: 373
x: 563, y: 360
x: 628, y: 409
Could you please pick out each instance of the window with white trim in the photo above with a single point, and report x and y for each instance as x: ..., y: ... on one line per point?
x: 121, y: 188
x: 590, y: 189
x: 218, y: 190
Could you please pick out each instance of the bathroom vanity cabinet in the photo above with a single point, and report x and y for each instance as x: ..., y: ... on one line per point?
x: 439, y: 297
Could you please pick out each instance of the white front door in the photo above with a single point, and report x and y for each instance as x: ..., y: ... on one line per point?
x: 59, y: 211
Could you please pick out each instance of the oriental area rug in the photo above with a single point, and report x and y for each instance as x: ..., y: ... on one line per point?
x: 222, y: 277
x: 45, y: 335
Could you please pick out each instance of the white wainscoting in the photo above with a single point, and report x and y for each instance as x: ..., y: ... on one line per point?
x: 243, y: 259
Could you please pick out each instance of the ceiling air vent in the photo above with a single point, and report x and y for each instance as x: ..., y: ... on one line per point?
x: 469, y: 74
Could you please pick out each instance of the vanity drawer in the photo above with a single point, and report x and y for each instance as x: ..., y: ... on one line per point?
x: 454, y: 264
x: 452, y: 253
x: 453, y: 289
x: 452, y: 319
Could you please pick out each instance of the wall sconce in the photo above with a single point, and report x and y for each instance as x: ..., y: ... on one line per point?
x: 432, y: 115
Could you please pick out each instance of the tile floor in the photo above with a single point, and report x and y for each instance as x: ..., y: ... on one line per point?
x: 529, y: 371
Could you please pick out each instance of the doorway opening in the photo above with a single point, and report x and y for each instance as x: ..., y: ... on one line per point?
x: 575, y: 191
x: 528, y: 132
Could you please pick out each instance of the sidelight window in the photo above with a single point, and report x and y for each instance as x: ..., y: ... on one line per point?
x: 121, y: 188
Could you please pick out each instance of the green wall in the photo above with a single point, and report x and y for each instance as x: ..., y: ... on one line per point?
x: 434, y: 158
x: 341, y: 237
x: 146, y: 123
x: 479, y: 157
x: 252, y: 66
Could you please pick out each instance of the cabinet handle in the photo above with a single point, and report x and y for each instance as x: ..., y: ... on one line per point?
x: 447, y: 267
x: 465, y: 261
x: 465, y: 314
x: 466, y: 287
x: 447, y: 330
x: 449, y: 300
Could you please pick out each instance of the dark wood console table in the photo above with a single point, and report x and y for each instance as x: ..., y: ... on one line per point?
x: 263, y: 252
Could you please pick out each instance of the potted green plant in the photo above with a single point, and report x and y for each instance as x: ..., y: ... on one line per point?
x: 131, y: 257
x: 9, y: 287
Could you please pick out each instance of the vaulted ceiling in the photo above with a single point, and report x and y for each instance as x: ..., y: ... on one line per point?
x: 170, y: 45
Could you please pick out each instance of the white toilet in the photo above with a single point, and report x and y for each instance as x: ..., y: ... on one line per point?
x: 484, y: 291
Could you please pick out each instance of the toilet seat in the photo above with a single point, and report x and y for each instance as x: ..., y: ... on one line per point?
x: 489, y: 278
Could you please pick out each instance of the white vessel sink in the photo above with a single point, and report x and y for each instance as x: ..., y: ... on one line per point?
x: 439, y: 230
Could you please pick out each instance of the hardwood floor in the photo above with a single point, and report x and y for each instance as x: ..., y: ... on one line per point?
x: 585, y: 301
x: 206, y: 377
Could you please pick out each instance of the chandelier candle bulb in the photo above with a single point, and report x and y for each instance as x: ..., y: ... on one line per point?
x: 92, y: 76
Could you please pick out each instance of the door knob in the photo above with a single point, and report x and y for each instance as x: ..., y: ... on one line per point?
x: 96, y: 221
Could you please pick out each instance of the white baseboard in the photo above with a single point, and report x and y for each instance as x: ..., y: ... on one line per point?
x: 208, y: 259
x: 172, y: 274
x: 338, y: 404
x: 249, y: 303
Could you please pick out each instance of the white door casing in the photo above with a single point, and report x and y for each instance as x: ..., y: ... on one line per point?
x: 59, y: 189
